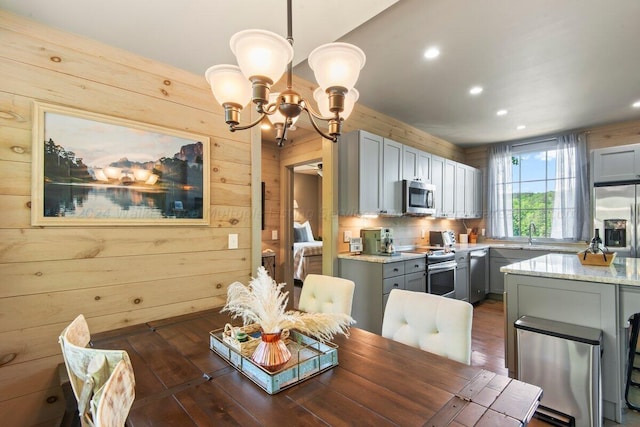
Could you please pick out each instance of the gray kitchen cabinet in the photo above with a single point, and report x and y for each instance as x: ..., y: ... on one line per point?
x: 500, y: 257
x: 424, y: 166
x: 416, y: 164
x: 476, y: 211
x: 443, y: 176
x: 360, y: 170
x: 370, y: 169
x: 373, y: 283
x: 391, y: 177
x: 468, y: 194
x: 462, y: 172
x: 621, y: 163
x: 462, y: 275
x: 410, y: 163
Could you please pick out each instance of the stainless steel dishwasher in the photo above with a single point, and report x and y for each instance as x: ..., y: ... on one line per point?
x: 478, y: 274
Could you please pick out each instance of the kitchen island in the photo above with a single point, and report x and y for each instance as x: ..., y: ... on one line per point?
x: 558, y: 287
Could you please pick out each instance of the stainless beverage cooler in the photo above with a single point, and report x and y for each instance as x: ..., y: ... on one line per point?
x: 564, y: 360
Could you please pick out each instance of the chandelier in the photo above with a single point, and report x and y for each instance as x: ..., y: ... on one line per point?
x: 263, y: 57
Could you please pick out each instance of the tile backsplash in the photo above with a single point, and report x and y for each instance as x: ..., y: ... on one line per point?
x: 407, y: 231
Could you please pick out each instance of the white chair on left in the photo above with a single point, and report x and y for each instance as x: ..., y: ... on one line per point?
x: 102, y: 380
x: 326, y: 294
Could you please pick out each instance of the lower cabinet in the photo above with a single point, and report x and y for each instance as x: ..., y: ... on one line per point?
x: 373, y: 283
x: 462, y: 275
x: 500, y: 257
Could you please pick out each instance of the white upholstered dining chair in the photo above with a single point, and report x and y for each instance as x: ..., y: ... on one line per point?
x: 432, y: 323
x: 326, y: 294
x: 102, y: 380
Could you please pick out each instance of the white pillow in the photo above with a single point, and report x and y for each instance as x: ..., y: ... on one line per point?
x: 307, y: 234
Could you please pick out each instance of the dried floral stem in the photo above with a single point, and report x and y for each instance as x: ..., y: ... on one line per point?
x: 264, y: 302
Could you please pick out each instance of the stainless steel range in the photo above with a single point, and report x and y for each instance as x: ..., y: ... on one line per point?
x: 441, y: 271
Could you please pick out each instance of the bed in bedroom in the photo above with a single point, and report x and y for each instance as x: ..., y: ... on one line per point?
x: 307, y: 252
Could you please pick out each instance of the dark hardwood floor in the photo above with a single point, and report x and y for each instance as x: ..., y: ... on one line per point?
x: 487, y: 347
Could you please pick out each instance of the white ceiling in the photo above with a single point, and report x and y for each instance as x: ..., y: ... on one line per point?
x: 555, y: 65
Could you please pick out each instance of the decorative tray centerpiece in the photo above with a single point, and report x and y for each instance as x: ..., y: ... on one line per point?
x: 276, y: 348
x: 596, y: 253
x: 602, y: 258
x: 309, y: 357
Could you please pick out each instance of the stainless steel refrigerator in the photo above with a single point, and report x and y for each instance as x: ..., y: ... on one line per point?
x: 616, y: 214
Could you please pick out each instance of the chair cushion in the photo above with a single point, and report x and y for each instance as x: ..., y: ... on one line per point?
x: 326, y: 294
x: 430, y: 322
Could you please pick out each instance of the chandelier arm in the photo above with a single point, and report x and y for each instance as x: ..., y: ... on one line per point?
x: 319, y: 116
x: 315, y: 126
x: 234, y: 128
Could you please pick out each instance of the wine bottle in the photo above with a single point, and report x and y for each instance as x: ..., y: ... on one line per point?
x: 596, y: 242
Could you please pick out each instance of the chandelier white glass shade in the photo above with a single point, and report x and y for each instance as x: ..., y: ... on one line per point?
x: 261, y: 54
x: 262, y: 59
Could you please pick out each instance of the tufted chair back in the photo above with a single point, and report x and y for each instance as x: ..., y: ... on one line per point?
x: 432, y: 323
x: 326, y: 294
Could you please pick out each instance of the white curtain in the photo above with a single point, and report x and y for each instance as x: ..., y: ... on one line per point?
x: 571, y: 200
x: 500, y: 191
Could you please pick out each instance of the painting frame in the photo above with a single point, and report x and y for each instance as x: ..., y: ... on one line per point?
x: 82, y: 185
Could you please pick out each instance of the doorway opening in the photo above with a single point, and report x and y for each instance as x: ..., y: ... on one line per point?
x: 307, y: 220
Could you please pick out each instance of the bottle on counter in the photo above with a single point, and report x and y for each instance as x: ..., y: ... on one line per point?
x: 596, y: 243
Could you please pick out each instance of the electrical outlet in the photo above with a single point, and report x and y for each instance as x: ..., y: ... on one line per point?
x: 233, y: 241
x: 274, y: 234
x: 422, y: 233
x: 346, y: 237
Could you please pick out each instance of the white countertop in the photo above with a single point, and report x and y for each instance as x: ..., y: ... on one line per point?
x: 399, y: 256
x: 623, y: 271
x: 403, y: 256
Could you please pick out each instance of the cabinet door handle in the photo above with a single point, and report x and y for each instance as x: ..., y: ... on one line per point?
x: 395, y: 285
x: 395, y: 269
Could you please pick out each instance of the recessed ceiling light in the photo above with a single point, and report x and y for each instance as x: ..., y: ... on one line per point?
x: 520, y: 127
x: 431, y: 53
x: 476, y: 90
x: 636, y: 104
x: 501, y: 112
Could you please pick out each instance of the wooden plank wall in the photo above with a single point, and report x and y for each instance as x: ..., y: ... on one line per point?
x: 116, y: 276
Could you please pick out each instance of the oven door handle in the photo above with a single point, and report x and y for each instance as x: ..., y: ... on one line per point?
x: 441, y: 266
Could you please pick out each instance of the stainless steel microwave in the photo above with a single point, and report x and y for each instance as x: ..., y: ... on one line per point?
x: 418, y: 198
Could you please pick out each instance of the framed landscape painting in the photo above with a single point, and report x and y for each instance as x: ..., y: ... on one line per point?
x: 92, y: 169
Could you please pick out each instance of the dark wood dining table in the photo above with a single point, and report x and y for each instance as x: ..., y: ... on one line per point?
x: 181, y: 382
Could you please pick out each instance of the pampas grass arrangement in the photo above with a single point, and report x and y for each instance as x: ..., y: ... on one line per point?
x: 263, y: 302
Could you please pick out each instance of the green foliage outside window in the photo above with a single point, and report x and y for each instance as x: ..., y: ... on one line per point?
x: 533, y: 185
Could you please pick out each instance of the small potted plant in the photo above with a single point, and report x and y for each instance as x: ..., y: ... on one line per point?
x: 264, y: 303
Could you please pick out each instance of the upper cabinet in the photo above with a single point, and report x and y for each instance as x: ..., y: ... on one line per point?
x: 443, y: 176
x: 416, y: 164
x: 614, y: 164
x: 360, y: 171
x: 468, y: 194
x: 372, y: 168
x: 391, y: 177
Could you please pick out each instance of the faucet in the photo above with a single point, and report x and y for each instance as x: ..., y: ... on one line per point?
x: 531, y: 226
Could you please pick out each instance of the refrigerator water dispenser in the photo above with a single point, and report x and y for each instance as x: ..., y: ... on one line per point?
x: 615, y: 233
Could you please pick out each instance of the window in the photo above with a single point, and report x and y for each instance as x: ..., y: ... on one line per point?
x: 533, y: 182
x: 542, y: 183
